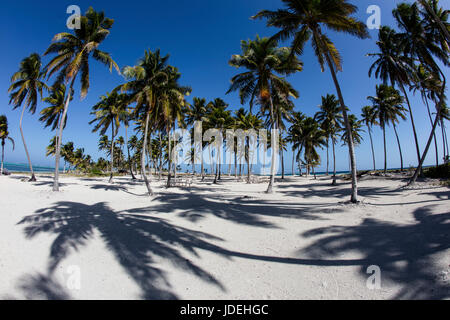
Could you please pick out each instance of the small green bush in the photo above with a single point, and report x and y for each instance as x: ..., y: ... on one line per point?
x: 440, y: 172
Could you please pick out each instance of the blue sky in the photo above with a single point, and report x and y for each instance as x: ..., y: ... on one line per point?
x: 200, y: 36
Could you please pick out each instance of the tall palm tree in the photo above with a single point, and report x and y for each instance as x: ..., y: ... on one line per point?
x: 24, y: 91
x: 246, y: 123
x: 73, y: 53
x: 312, y: 137
x: 393, y: 67
x: 128, y: 116
x: 294, y: 133
x: 303, y: 20
x: 266, y: 64
x: 428, y: 84
x: 173, y: 107
x: 198, y: 113
x: 4, y: 135
x: 387, y: 105
x: 369, y: 117
x: 219, y: 118
x: 330, y: 119
x: 110, y: 112
x: 146, y: 81
x: 422, y: 39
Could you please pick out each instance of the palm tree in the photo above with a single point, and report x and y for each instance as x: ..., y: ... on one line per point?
x: 330, y: 120
x: 369, y: 117
x: 126, y: 122
x: 428, y: 84
x: 198, y: 113
x: 72, y: 57
x: 266, y: 64
x: 387, y: 105
x: 173, y: 107
x: 422, y: 39
x: 303, y: 20
x: 312, y: 137
x: 393, y: 66
x: 133, y: 146
x: 67, y: 151
x: 51, y: 115
x: 110, y: 112
x: 146, y: 81
x: 294, y: 134
x: 4, y: 135
x: 219, y: 118
x: 24, y: 90
x: 246, y: 123
x: 356, y: 131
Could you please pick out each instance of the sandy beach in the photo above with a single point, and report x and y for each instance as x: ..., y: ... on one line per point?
x: 94, y: 240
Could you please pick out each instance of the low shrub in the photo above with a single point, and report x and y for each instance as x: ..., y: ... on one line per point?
x: 440, y: 172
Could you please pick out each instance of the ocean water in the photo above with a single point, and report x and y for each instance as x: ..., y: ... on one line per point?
x: 13, y: 167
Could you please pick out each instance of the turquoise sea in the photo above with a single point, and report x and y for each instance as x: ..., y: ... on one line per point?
x: 13, y: 167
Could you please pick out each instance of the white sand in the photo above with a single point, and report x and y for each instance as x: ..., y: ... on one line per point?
x: 212, y: 242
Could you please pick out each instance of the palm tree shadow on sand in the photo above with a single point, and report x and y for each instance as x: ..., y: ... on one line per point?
x: 404, y: 253
x: 135, y: 240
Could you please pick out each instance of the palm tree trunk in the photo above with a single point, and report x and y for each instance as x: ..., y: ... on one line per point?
x: 33, y: 177
x: 112, y: 153
x: 248, y: 162
x: 373, y: 151
x: 160, y: 157
x: 59, y: 139
x: 3, y: 157
x: 435, y: 140
x: 282, y: 164
x: 293, y: 162
x: 274, y: 151
x: 169, y: 168
x: 412, y: 121
x: 430, y: 139
x: 128, y: 151
x: 202, y: 163
x: 385, y: 154
x: 328, y: 157
x: 399, y: 146
x: 351, y: 149
x: 144, y: 146
x: 333, y: 141
x: 235, y: 164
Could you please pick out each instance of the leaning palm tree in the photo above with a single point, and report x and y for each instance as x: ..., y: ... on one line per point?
x: 24, y: 91
x: 369, y: 118
x: 387, y: 105
x: 73, y: 53
x: 266, y: 65
x: 330, y: 119
x: 422, y: 39
x: 4, y: 135
x: 428, y: 84
x: 110, y: 112
x: 305, y: 19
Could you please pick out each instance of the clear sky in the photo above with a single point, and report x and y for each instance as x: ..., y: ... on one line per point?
x: 200, y: 36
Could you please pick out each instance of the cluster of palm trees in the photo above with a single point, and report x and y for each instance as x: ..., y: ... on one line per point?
x: 152, y: 98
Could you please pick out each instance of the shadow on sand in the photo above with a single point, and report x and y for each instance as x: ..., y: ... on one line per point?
x: 403, y: 252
